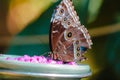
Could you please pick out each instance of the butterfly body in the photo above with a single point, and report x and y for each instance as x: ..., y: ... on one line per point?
x: 69, y: 39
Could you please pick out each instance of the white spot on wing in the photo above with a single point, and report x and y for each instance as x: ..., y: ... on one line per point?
x: 55, y: 31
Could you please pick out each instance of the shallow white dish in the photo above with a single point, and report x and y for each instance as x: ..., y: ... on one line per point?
x: 37, y: 69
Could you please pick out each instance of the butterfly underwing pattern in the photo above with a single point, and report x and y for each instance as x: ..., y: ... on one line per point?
x: 69, y: 40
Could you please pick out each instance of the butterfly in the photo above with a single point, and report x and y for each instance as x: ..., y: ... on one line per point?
x: 69, y: 40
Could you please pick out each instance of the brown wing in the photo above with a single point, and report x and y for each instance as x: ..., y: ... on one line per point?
x: 65, y: 22
x: 62, y: 16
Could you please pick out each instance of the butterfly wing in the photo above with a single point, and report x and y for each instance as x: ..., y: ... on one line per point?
x: 65, y: 31
x: 60, y: 20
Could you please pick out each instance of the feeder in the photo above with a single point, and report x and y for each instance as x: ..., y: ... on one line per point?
x: 10, y: 69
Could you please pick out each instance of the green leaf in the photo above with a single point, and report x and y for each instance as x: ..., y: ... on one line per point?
x: 81, y: 7
x: 93, y: 9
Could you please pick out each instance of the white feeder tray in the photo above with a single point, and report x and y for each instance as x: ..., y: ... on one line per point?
x: 26, y: 70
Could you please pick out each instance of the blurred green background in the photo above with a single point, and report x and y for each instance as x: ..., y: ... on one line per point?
x: 24, y: 29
